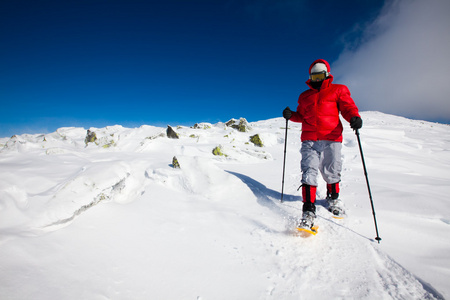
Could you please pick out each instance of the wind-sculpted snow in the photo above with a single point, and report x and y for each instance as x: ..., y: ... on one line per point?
x: 112, y: 218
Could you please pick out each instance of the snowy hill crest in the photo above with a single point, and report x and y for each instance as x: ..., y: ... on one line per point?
x: 115, y: 211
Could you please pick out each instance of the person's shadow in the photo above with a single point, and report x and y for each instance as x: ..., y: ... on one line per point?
x: 269, y: 198
x: 265, y: 196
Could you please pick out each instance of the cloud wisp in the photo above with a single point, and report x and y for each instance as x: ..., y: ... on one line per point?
x: 402, y: 63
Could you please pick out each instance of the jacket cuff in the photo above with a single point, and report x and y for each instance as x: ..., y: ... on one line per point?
x: 296, y: 117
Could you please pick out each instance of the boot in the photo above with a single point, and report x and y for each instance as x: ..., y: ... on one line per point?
x: 307, y: 220
x: 335, y: 205
x: 309, y: 207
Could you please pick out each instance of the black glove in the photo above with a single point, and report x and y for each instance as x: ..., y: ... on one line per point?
x: 287, y: 113
x: 356, y: 123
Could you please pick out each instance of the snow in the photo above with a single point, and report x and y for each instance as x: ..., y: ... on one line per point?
x: 114, y: 219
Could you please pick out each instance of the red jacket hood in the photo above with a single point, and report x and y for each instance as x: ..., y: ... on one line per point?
x: 319, y: 61
x: 328, y: 80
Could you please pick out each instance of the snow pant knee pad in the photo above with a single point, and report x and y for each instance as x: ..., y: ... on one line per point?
x: 309, y: 193
x: 333, y: 190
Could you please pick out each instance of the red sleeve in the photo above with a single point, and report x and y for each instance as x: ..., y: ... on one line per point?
x: 296, y: 117
x: 346, y: 104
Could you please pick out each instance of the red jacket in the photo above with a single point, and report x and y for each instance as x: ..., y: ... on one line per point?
x: 318, y: 110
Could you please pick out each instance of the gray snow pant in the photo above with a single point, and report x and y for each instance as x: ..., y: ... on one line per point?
x: 323, y: 156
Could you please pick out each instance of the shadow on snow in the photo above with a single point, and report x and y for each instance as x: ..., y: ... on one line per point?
x: 271, y: 199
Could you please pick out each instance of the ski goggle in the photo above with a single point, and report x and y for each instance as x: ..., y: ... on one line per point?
x: 318, y: 76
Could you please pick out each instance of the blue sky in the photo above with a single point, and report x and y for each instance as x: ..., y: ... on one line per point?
x: 94, y: 63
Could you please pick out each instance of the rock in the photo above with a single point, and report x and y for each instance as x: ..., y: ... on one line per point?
x: 218, y: 151
x: 91, y: 137
x: 202, y: 126
x: 171, y: 134
x: 175, y: 163
x: 255, y: 139
x: 241, y: 125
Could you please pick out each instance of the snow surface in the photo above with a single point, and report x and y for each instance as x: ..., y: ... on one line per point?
x: 115, y: 220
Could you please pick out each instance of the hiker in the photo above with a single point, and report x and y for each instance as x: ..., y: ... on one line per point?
x: 318, y: 111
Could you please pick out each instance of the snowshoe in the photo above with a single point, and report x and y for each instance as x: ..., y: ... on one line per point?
x: 306, y: 226
x: 336, y: 207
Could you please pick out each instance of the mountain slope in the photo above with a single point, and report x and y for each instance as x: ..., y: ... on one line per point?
x: 114, y: 220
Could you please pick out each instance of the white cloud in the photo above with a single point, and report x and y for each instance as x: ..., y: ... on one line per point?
x: 403, y: 64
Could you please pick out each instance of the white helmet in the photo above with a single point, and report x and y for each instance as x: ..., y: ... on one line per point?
x: 319, y: 68
x: 318, y: 72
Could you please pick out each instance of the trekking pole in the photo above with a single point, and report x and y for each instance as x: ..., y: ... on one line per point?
x: 368, y: 186
x: 284, y: 160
